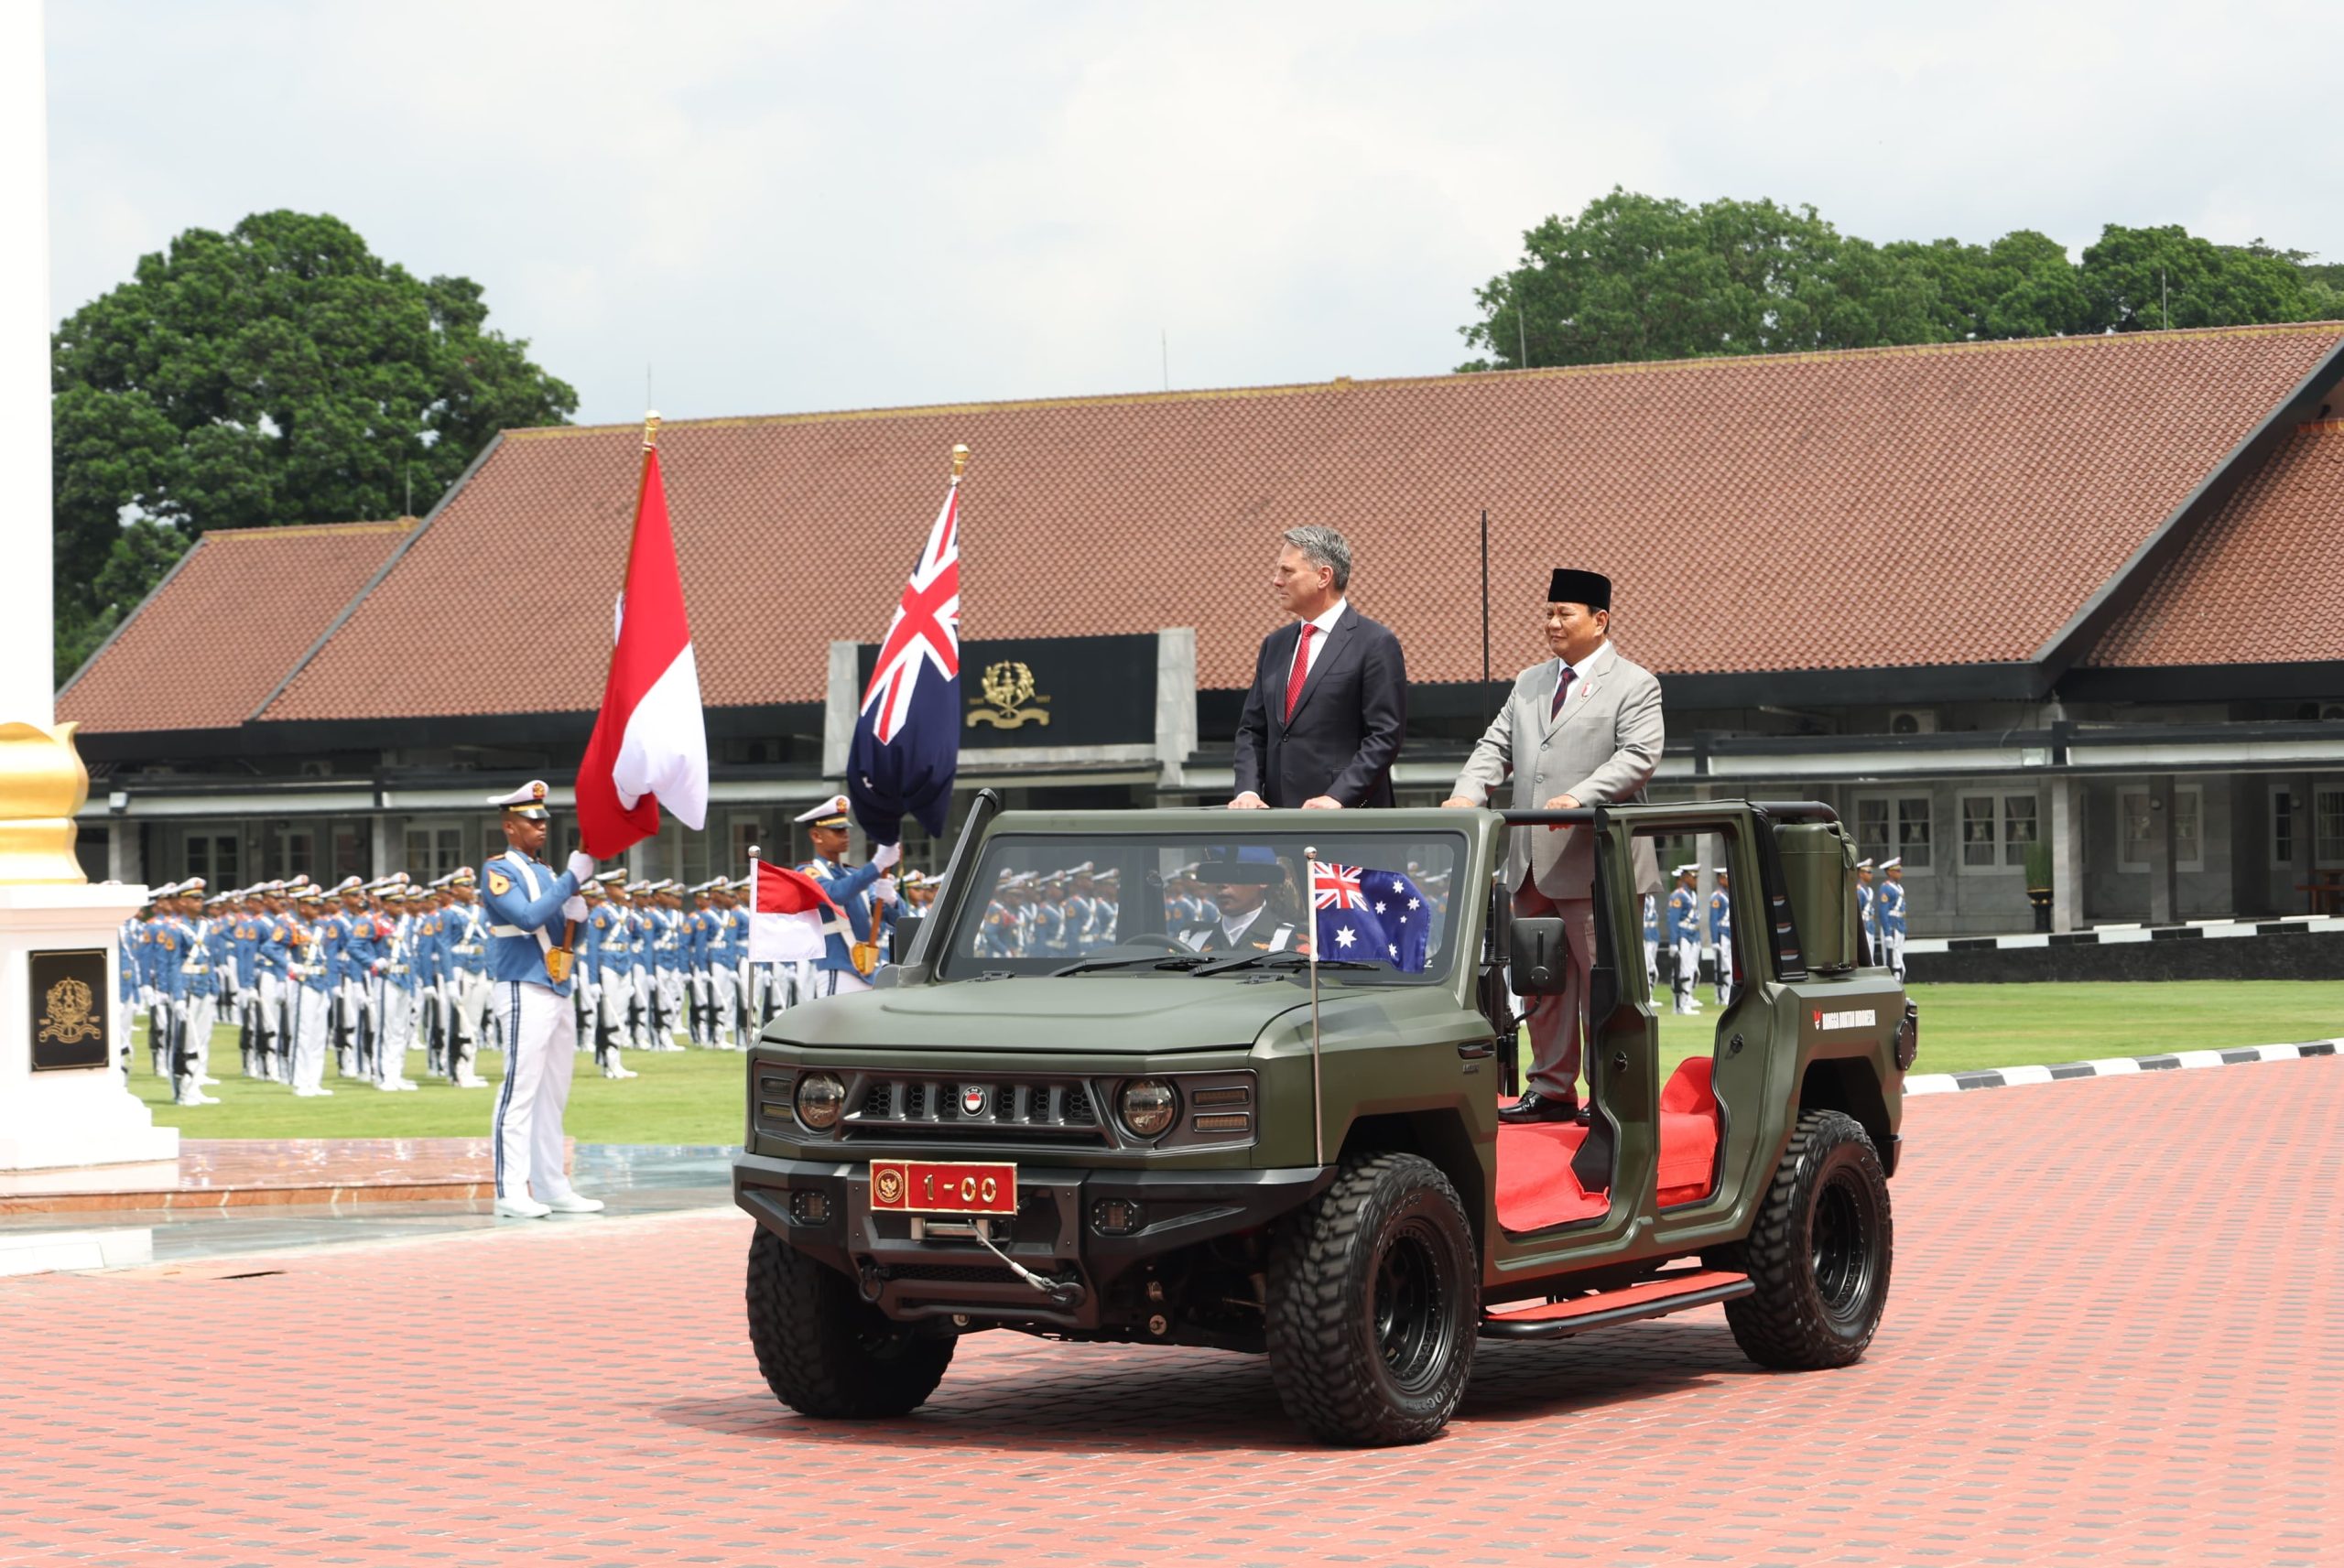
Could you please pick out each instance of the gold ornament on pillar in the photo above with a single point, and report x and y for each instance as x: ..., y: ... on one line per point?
x: 42, y: 784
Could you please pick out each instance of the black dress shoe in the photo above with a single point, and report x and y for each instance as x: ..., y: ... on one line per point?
x: 1536, y: 1107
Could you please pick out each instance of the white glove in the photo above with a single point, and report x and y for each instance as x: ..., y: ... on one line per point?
x: 886, y: 855
x: 573, y: 908
x: 582, y: 866
x: 883, y: 890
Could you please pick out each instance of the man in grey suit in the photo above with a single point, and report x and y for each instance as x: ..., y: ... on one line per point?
x: 1582, y: 728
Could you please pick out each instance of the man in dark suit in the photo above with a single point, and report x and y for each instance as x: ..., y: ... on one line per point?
x: 1322, y: 725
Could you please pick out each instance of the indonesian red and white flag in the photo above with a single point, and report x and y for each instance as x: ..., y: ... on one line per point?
x: 650, y: 744
x: 788, y: 910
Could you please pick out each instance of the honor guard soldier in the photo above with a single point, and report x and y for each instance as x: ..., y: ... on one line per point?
x: 1685, y: 936
x: 1722, y: 935
x: 866, y: 894
x: 1889, y: 913
x: 313, y: 978
x: 1867, y: 932
x: 726, y: 931
x: 533, y: 916
x: 608, y: 929
x: 272, y: 953
x: 1258, y: 910
x: 1651, y: 940
x: 196, y: 998
x: 468, y: 956
x: 401, y: 989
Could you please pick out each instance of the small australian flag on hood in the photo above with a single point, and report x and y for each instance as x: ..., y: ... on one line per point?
x: 1372, y: 915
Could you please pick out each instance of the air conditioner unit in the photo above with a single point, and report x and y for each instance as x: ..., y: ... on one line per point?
x: 1912, y: 721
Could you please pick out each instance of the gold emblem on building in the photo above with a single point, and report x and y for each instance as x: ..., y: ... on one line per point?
x: 68, y: 1017
x: 1008, y: 687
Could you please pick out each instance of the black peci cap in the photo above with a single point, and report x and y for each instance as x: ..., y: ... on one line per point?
x: 1573, y: 587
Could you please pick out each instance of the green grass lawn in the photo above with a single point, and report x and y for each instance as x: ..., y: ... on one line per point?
x: 694, y: 1097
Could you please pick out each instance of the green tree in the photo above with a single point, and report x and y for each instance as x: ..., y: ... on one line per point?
x: 2022, y: 285
x: 280, y: 372
x: 2142, y: 279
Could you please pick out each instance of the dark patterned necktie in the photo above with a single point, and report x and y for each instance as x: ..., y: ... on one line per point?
x: 1562, y: 689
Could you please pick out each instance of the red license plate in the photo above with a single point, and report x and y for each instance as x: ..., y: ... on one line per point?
x: 931, y: 1186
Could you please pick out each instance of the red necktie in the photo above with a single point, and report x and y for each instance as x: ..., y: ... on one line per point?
x: 1562, y: 689
x: 1301, y: 668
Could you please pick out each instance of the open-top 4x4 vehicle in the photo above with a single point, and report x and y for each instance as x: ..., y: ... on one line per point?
x: 1091, y: 1105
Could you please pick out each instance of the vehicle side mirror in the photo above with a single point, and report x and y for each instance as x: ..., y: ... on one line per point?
x: 1538, y: 955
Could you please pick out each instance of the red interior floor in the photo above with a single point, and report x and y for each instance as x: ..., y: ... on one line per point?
x: 1536, y: 1187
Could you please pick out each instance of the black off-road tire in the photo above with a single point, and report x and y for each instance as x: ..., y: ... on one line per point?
x: 1375, y: 1302
x: 1819, y: 1252
x: 827, y: 1352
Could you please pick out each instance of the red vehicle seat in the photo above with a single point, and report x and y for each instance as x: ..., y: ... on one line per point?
x: 1536, y: 1189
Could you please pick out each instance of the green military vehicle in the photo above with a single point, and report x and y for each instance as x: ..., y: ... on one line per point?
x: 1088, y: 1105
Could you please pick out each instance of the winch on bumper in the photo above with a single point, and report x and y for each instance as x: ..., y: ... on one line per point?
x: 1076, y: 1230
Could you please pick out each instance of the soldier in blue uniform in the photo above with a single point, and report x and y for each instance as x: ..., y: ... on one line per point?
x: 866, y: 893
x: 533, y: 915
x: 314, y: 972
x: 466, y: 934
x: 1867, y: 931
x: 1685, y: 936
x: 272, y: 953
x: 1651, y: 940
x: 1889, y: 912
x: 1722, y: 935
x: 608, y: 931
x: 195, y: 995
x: 727, y: 948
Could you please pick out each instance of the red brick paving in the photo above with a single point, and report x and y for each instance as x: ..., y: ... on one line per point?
x: 2115, y: 1336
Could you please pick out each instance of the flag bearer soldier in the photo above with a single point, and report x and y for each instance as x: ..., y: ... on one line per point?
x: 1685, y: 936
x: 533, y: 915
x: 1890, y: 914
x: 314, y: 976
x: 1721, y: 936
x: 866, y: 893
x: 1867, y: 933
x: 468, y: 979
x: 723, y: 928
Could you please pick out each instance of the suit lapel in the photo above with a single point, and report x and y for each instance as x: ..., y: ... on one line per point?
x: 1583, y: 691
x: 1321, y: 666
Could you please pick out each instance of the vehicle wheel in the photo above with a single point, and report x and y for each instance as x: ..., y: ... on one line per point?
x: 1374, y: 1299
x: 1819, y: 1252
x: 827, y: 1352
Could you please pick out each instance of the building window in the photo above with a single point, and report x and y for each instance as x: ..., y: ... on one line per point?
x: 2022, y: 828
x: 1896, y: 825
x: 1996, y: 830
x: 2137, y: 814
x: 433, y: 849
x: 2328, y: 826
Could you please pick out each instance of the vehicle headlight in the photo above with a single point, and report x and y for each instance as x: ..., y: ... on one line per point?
x: 820, y: 1098
x: 1148, y: 1107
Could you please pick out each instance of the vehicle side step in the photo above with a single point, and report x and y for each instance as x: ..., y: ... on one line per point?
x: 1655, y: 1297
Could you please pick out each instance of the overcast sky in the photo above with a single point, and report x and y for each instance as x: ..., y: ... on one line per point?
x: 784, y: 207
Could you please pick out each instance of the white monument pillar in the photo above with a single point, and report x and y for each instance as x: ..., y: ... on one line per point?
x: 58, y: 961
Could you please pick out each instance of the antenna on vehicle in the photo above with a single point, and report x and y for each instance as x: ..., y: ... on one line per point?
x: 1485, y: 604
x: 1317, y: 1107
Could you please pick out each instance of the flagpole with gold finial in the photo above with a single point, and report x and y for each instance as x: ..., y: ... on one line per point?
x: 960, y: 459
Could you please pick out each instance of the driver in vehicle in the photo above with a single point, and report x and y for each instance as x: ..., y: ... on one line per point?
x: 1259, y: 913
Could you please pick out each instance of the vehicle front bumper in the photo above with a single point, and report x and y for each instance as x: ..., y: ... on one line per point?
x: 822, y: 1208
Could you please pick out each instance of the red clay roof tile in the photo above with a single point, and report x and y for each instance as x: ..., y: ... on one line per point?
x: 208, y: 647
x: 1942, y: 505
x: 2261, y: 582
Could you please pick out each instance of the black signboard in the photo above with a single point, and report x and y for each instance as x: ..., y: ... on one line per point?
x: 1051, y: 691
x: 71, y: 1008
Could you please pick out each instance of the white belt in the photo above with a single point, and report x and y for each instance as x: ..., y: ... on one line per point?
x: 506, y: 931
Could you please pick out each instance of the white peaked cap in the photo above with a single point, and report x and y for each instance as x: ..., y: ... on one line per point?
x: 1890, y: 863
x: 1864, y: 864
x: 530, y: 793
x: 1686, y: 870
x: 834, y: 807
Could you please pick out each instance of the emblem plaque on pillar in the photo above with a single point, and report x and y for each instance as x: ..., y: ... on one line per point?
x: 70, y: 1005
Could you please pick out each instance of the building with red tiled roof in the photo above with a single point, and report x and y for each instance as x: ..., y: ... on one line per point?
x: 1981, y: 596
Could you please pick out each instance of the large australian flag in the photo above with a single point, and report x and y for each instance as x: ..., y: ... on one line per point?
x: 906, y: 745
x: 1368, y: 914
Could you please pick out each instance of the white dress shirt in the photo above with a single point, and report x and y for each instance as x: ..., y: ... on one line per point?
x: 1579, y: 672
x: 1325, y: 623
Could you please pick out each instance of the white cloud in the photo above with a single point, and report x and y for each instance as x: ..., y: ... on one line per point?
x: 816, y: 206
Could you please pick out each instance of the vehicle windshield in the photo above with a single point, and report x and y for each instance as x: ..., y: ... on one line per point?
x: 1177, y: 903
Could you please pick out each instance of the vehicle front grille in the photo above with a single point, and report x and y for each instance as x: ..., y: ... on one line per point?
x: 1018, y: 1110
